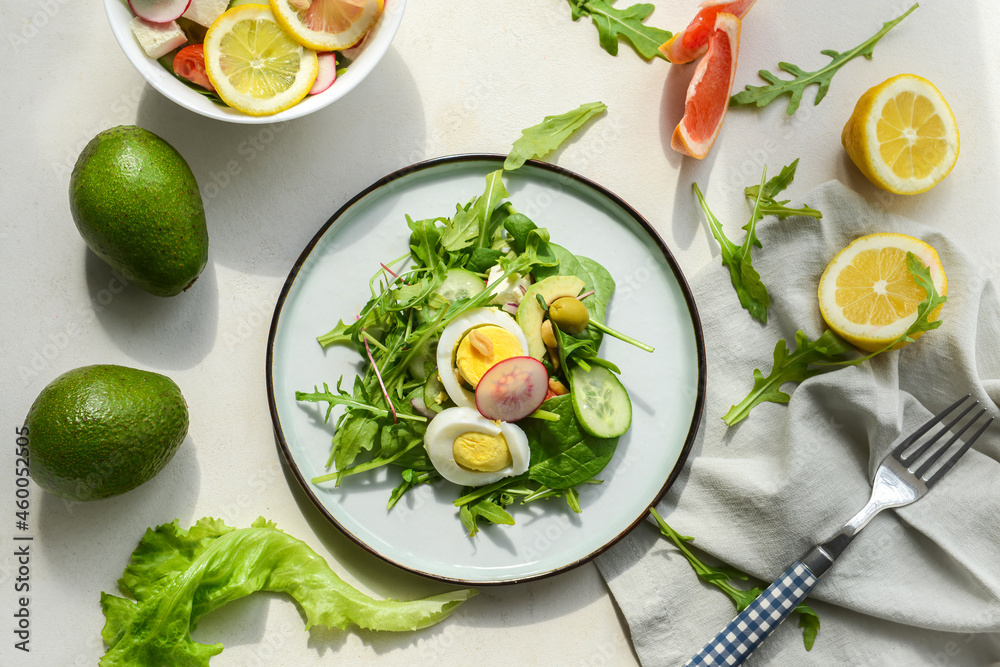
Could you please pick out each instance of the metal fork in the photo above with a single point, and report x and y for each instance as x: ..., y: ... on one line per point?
x: 903, y: 477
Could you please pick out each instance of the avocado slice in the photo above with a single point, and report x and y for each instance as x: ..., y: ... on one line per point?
x: 530, y: 313
x: 137, y: 205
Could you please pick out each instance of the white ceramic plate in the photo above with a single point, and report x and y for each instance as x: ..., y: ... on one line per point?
x: 423, y: 533
x: 372, y: 48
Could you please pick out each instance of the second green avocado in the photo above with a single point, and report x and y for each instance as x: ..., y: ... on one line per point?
x: 138, y: 207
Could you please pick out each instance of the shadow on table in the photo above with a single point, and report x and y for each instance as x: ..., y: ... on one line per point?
x: 268, y: 188
x: 171, y: 333
x: 73, y: 531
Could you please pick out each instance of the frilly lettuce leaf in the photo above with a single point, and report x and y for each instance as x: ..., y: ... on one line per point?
x: 177, y: 575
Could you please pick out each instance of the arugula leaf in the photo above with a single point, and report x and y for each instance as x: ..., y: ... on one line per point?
x: 411, y: 478
x: 761, y: 96
x: 354, y: 433
x: 563, y: 455
x: 339, y: 334
x: 769, y: 205
x: 827, y: 351
x: 485, y: 509
x: 358, y: 426
x: 613, y: 23
x: 358, y: 401
x: 750, y: 290
x: 177, y: 576
x: 470, y: 224
x: 424, y: 238
x: 788, y: 367
x: 928, y: 307
x: 722, y: 578
x: 539, y: 140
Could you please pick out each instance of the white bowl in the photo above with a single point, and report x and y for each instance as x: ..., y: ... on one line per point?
x: 373, y: 47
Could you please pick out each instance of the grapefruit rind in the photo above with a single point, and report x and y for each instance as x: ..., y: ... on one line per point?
x: 708, y: 93
x: 692, y: 42
x: 294, y: 21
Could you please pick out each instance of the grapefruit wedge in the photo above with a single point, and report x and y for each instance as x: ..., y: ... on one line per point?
x: 708, y: 93
x: 692, y: 42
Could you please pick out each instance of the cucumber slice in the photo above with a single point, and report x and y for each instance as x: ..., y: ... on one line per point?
x: 600, y: 402
x: 434, y: 393
x: 425, y: 361
x: 460, y: 284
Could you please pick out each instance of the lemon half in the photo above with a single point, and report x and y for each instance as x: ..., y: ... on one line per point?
x: 867, y: 294
x: 902, y: 135
x: 256, y: 66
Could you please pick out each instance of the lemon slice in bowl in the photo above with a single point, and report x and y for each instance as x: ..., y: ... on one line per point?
x: 902, y: 135
x: 327, y: 25
x: 256, y: 66
x: 867, y: 294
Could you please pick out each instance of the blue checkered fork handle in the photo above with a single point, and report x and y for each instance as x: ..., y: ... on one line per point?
x: 745, y: 632
x: 905, y: 475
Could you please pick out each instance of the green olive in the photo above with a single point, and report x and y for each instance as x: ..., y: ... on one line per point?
x: 569, y: 314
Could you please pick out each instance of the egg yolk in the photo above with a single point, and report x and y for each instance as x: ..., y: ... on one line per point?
x: 481, y: 452
x: 483, y: 347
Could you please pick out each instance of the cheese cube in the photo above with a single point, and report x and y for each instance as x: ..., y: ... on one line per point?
x: 204, y: 12
x: 157, y: 39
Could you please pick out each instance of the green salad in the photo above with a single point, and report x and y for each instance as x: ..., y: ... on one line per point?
x: 482, y: 345
x: 483, y: 370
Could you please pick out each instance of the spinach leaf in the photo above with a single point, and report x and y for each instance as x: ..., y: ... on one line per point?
x: 530, y: 243
x: 566, y: 264
x: 563, y: 455
x: 539, y: 140
x: 519, y: 227
x: 603, y: 285
x: 483, y: 259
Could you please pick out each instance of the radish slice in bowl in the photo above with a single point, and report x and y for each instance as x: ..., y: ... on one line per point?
x: 159, y: 11
x: 327, y: 73
x: 512, y: 389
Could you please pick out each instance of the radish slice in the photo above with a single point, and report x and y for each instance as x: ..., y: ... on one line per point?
x: 512, y: 389
x: 326, y: 75
x: 159, y: 11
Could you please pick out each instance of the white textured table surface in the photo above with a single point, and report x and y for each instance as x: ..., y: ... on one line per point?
x: 460, y: 77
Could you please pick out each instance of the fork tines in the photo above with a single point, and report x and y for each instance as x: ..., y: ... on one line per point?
x: 909, y: 459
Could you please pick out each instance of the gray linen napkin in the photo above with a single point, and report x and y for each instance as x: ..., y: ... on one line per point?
x: 920, y: 585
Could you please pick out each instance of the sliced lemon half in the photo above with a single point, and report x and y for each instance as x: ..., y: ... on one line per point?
x: 902, y: 135
x: 256, y: 66
x: 867, y: 294
x: 327, y: 25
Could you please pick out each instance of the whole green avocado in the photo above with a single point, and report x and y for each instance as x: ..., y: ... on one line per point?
x: 99, y: 431
x: 138, y: 207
